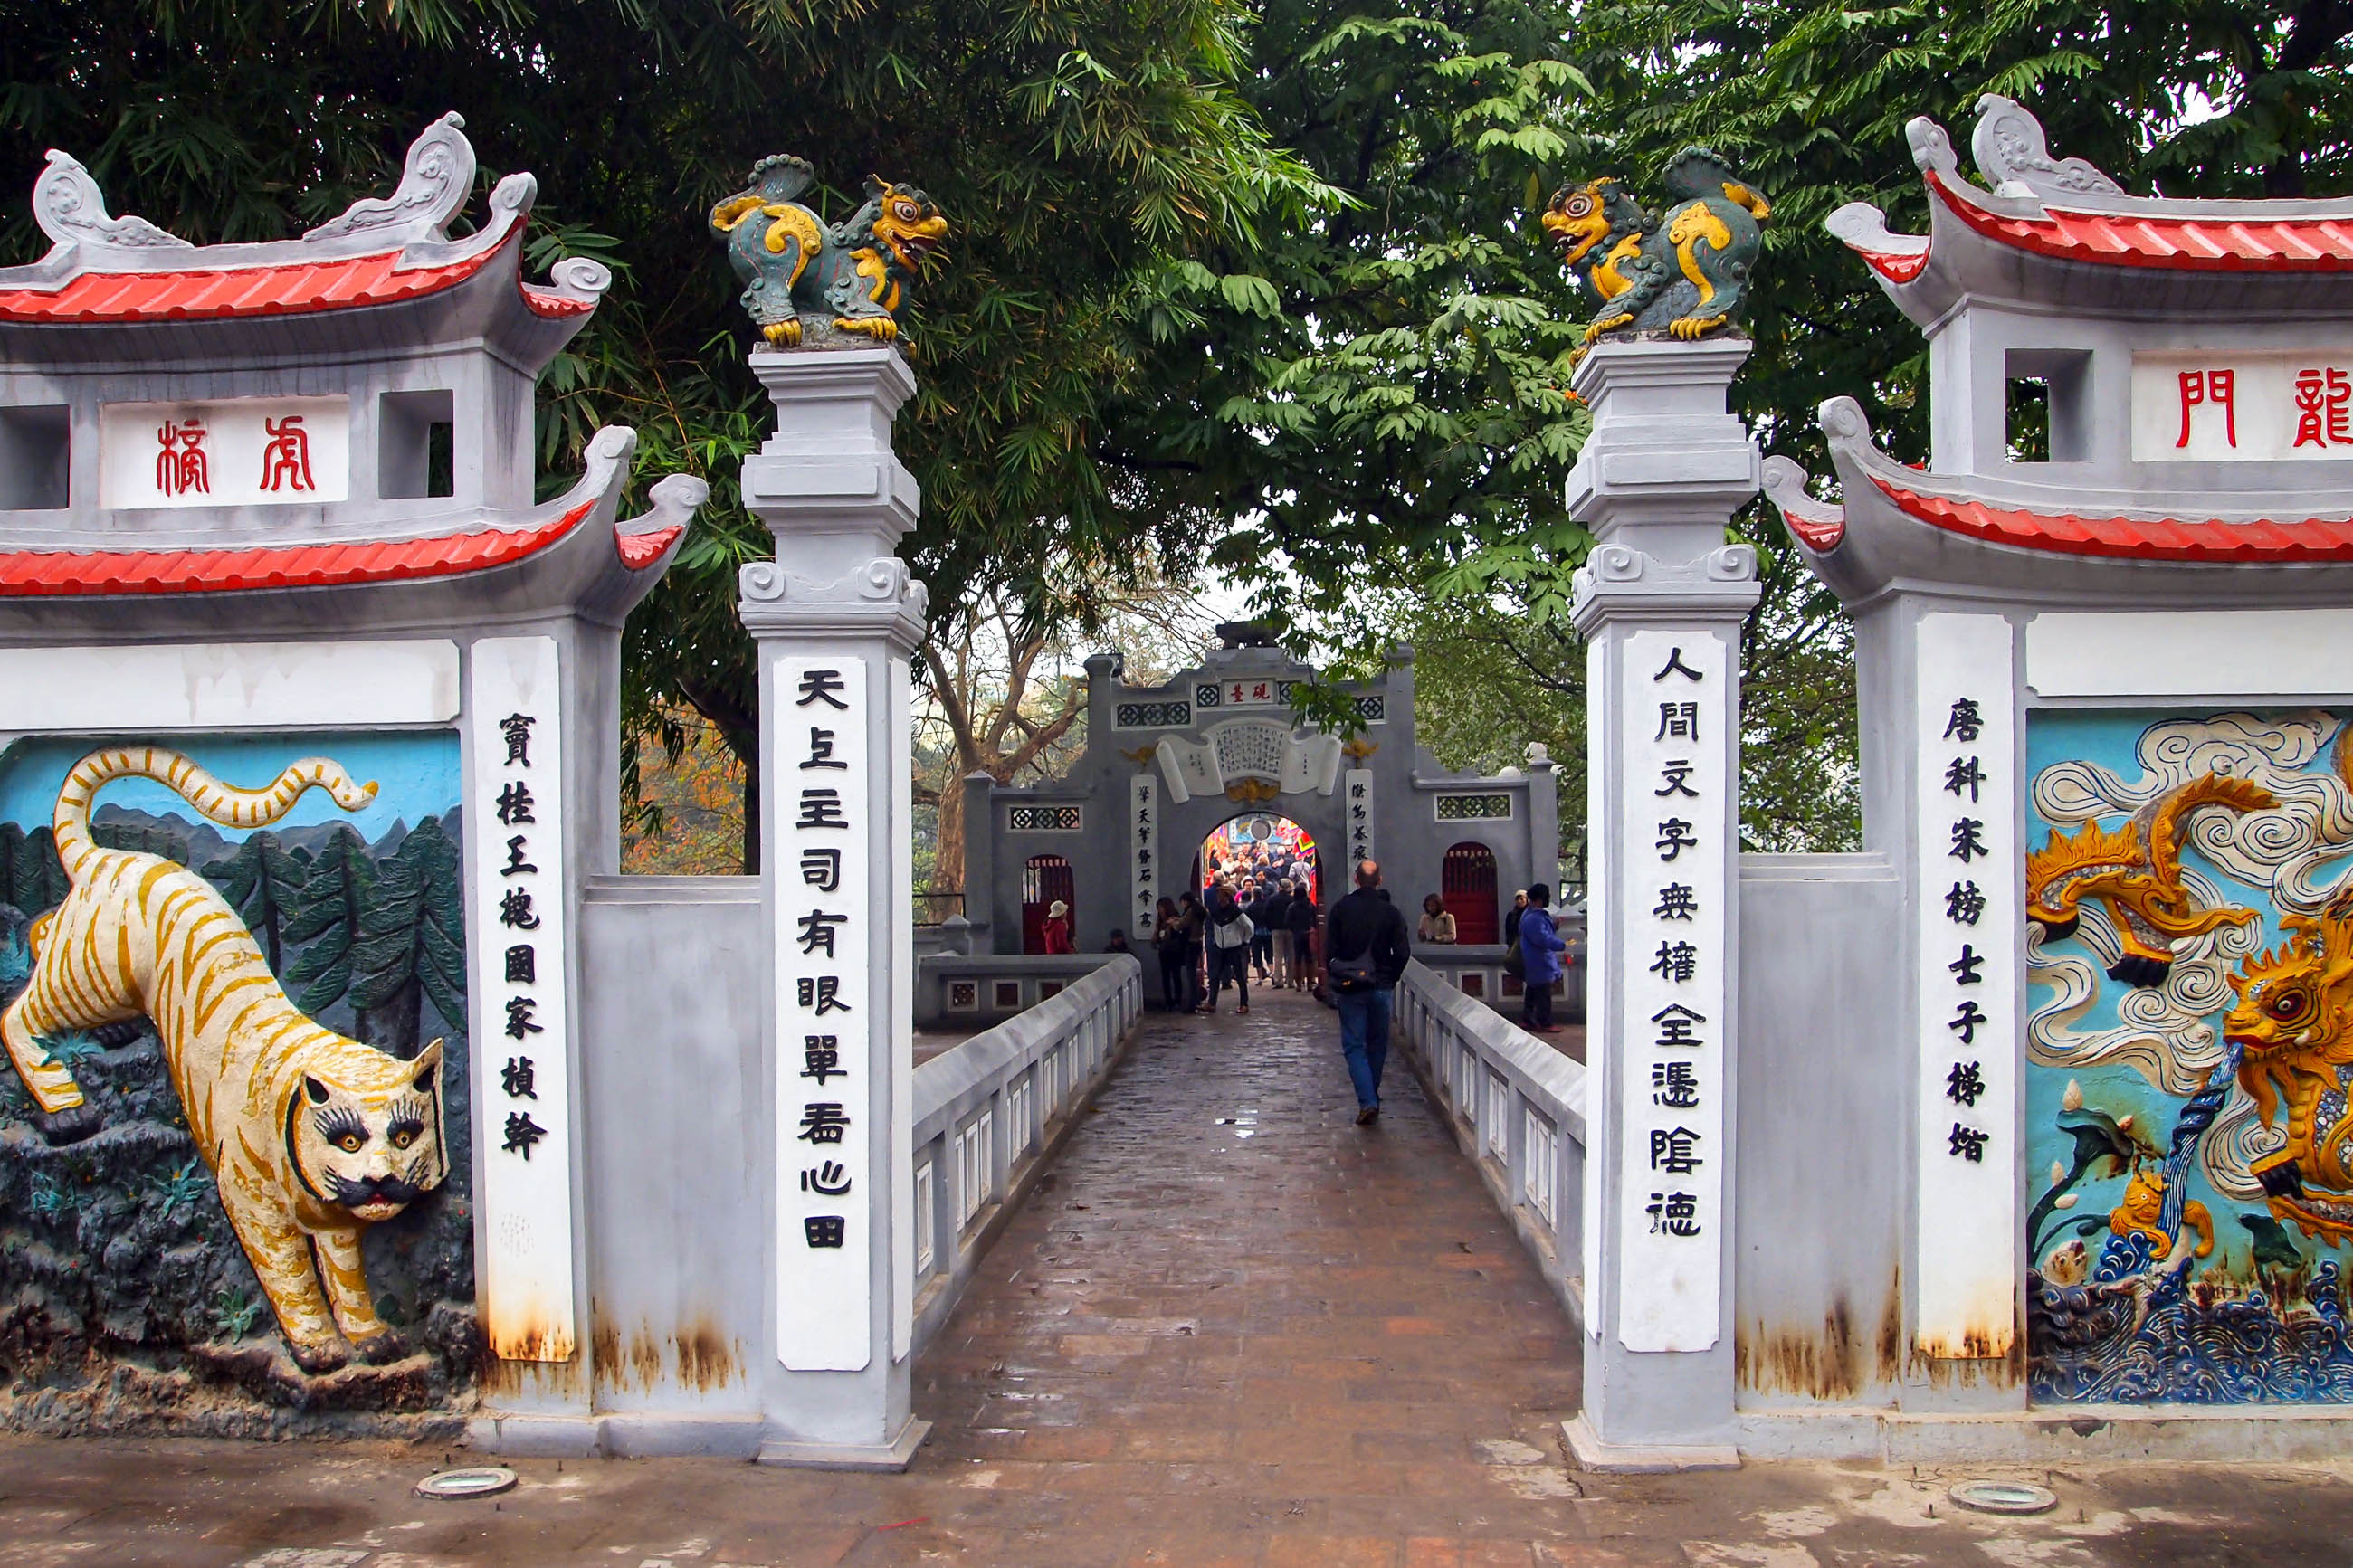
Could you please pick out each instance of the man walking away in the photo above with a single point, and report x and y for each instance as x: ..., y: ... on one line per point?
x: 1540, y: 949
x: 1261, y: 912
x: 1365, y: 952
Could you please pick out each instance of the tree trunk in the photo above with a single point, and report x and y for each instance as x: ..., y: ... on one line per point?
x: 947, y: 857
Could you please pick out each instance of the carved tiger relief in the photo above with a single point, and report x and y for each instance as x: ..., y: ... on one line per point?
x: 310, y: 1136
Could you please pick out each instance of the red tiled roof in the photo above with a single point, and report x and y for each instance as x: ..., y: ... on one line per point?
x: 1820, y: 534
x: 2123, y: 239
x: 2171, y: 539
x: 1894, y: 268
x: 295, y: 289
x: 76, y: 572
x: 640, y: 551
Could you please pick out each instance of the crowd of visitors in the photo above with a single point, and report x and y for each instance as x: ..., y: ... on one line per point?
x: 1257, y: 919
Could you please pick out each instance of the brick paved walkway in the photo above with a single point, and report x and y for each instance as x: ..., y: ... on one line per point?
x: 1254, y: 1322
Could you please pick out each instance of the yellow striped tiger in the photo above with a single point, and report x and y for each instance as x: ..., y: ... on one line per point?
x: 310, y: 1136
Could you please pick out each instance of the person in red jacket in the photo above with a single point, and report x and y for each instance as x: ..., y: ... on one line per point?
x: 1057, y: 928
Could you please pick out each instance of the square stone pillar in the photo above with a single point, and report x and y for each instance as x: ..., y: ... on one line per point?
x: 1660, y: 602
x: 837, y: 618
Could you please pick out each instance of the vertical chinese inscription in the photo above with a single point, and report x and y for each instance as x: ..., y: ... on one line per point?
x: 517, y: 918
x: 1967, y: 919
x: 1143, y: 851
x: 826, y: 1015
x: 1671, y: 858
x: 1356, y: 792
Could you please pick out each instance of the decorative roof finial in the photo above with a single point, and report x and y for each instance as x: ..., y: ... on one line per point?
x: 807, y: 282
x: 1685, y: 274
x: 71, y: 210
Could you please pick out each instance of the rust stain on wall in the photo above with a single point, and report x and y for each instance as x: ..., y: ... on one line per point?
x: 1818, y: 1363
x: 704, y: 1359
x: 1891, y: 1330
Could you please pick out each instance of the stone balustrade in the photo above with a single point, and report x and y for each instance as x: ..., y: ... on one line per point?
x: 991, y: 1114
x: 1516, y: 1106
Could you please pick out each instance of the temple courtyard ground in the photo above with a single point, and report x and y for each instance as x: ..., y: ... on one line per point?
x: 1231, y: 1327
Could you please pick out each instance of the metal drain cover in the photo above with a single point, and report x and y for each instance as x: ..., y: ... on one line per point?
x: 2004, y: 1497
x: 455, y: 1486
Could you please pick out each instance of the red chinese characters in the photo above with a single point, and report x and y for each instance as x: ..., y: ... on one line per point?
x: 180, y: 467
x: 2324, y: 408
x: 2210, y: 389
x: 286, y: 458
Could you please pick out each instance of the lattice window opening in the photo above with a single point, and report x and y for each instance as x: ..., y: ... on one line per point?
x: 1494, y: 807
x: 1172, y: 715
x: 1373, y: 710
x: 1044, y: 818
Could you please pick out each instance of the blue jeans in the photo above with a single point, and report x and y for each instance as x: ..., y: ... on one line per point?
x: 1365, y: 1038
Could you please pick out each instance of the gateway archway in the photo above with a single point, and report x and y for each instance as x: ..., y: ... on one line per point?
x: 1260, y: 844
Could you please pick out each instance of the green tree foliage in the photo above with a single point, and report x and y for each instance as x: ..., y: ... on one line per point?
x: 412, y: 941
x: 1081, y: 148
x: 263, y: 883
x: 1369, y: 395
x: 330, y: 917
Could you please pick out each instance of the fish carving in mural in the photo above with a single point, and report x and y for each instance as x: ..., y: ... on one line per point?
x: 2135, y: 872
x: 310, y: 1136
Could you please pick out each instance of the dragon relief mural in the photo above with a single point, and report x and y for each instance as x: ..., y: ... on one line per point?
x: 1686, y: 273
x: 807, y: 282
x: 234, y: 1147
x: 2189, y: 1050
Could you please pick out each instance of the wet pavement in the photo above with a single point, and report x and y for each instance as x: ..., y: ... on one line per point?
x: 1231, y: 1327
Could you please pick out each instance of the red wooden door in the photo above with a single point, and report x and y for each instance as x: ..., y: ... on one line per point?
x: 1044, y: 879
x: 1467, y: 888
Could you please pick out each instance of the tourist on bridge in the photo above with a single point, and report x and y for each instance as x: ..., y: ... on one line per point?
x: 1168, y: 942
x: 1262, y: 910
x: 1541, y: 946
x: 1364, y: 954
x: 1192, y: 922
x: 1301, y: 918
x: 1437, y: 925
x: 1057, y: 928
x: 1229, y: 937
x: 1275, y: 926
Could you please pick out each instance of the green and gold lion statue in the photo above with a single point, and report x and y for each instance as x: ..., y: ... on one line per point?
x: 801, y: 272
x: 1686, y: 274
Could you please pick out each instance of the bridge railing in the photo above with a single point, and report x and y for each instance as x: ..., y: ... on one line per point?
x: 1517, y: 1107
x: 991, y: 1112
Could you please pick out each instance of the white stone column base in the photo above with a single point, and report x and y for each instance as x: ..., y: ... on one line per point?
x: 1592, y: 1452
x: 891, y: 1457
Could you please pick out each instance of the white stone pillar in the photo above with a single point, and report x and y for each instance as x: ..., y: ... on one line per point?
x: 1660, y: 603
x: 836, y: 618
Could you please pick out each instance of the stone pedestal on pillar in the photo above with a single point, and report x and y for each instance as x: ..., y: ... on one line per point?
x: 1660, y: 603
x: 836, y: 618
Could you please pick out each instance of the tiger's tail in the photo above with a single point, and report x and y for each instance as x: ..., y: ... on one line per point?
x: 223, y: 804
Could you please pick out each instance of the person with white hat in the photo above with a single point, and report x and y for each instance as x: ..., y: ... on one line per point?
x: 1057, y: 928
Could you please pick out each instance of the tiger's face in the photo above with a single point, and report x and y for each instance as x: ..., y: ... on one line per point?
x: 909, y: 224
x: 365, y: 1131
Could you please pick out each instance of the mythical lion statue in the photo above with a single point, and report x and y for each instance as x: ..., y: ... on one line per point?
x: 799, y: 271
x: 1687, y: 274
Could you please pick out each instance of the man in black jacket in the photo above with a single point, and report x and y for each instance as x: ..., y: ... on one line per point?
x: 1366, y: 949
